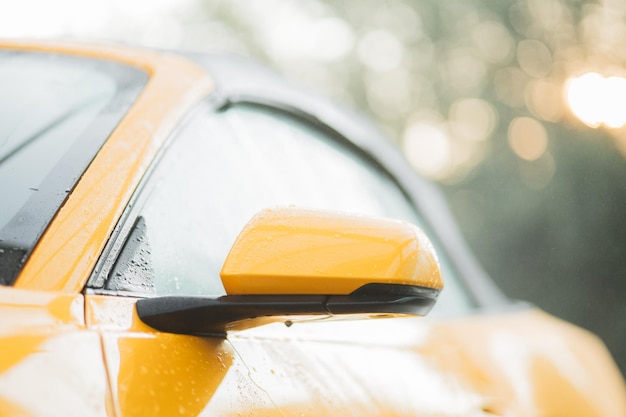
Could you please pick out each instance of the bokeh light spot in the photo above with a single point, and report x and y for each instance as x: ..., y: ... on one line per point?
x: 472, y: 119
x: 493, y: 41
x: 388, y: 94
x: 427, y: 146
x: 510, y: 85
x: 334, y: 39
x: 465, y: 73
x: 380, y: 50
x: 597, y: 100
x: 583, y: 96
x: 292, y: 36
x: 543, y: 99
x: 615, y: 102
x: 528, y: 138
x: 534, y: 58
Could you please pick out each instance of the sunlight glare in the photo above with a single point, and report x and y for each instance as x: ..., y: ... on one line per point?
x: 598, y: 100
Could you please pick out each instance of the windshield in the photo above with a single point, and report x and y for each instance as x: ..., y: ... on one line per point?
x: 55, y: 113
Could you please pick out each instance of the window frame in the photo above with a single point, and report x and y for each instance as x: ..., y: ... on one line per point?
x: 123, y: 231
x: 241, y: 81
x: 214, y: 104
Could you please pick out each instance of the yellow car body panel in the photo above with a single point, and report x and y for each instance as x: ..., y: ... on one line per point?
x: 45, y: 346
x: 91, y: 355
x: 531, y: 364
x: 160, y: 374
x: 511, y: 364
x: 296, y: 251
x: 67, y: 252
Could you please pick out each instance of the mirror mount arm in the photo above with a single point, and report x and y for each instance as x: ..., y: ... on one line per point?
x: 214, y: 316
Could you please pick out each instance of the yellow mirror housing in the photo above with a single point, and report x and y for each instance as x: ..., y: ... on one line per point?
x: 298, y: 251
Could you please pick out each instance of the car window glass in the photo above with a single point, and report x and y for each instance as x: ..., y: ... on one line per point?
x: 225, y: 167
x: 45, y: 104
x: 56, y: 112
x: 133, y: 271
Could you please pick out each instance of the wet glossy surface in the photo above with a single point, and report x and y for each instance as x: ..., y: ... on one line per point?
x: 50, y: 365
x: 297, y: 251
x: 514, y: 364
x: 511, y: 364
x: 519, y: 364
x: 67, y: 252
x: 56, y: 111
x: 162, y: 374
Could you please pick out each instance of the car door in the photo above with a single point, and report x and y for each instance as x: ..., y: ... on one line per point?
x: 218, y: 170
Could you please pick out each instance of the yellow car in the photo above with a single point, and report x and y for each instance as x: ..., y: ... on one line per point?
x: 187, y: 235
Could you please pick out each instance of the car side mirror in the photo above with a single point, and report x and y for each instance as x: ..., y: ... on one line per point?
x: 288, y: 264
